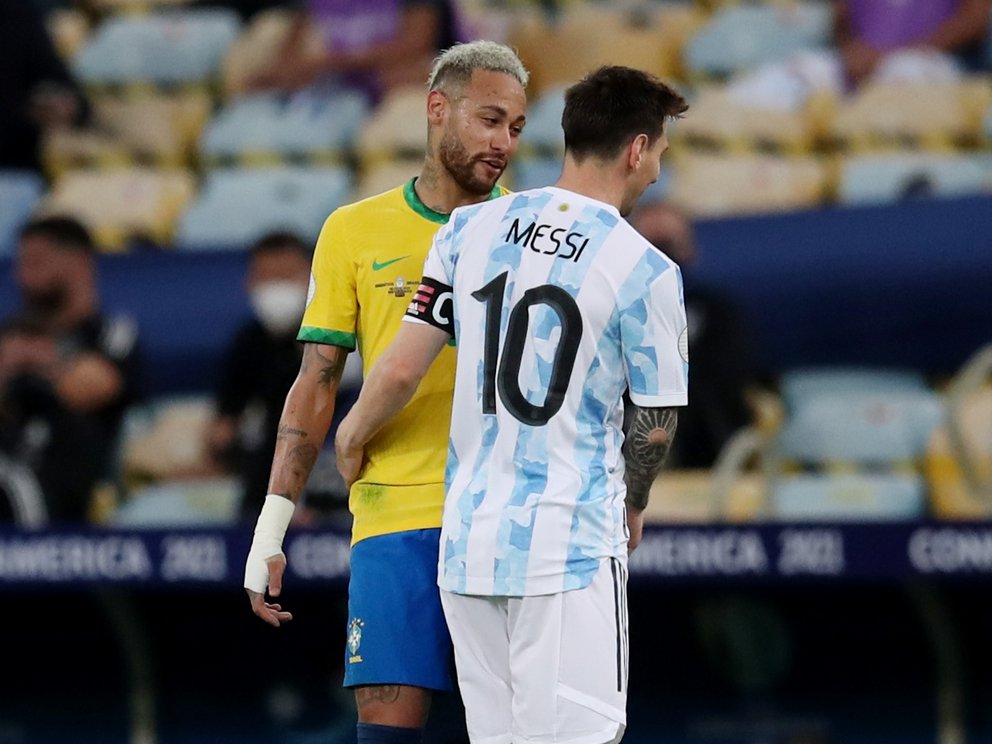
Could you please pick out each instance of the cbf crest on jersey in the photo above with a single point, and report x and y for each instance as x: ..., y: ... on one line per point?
x: 355, y: 638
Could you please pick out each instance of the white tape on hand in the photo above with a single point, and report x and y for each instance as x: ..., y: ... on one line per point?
x: 269, y: 533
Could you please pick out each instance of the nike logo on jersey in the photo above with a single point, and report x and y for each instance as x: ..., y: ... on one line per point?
x: 376, y: 265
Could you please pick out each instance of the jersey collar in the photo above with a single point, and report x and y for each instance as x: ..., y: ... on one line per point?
x: 413, y: 201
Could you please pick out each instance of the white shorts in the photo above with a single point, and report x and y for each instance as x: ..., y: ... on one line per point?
x: 543, y: 669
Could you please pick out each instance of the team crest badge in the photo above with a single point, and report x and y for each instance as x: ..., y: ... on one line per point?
x: 355, y: 638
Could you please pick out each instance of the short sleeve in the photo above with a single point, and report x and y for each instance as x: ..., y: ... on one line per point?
x: 653, y: 336
x: 332, y: 301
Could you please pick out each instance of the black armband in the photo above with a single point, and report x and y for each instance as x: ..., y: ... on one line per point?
x: 433, y: 303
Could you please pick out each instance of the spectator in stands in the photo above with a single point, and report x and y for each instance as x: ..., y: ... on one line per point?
x: 67, y: 371
x: 719, y: 373
x: 869, y: 31
x: 37, y: 90
x: 261, y: 364
x: 372, y: 45
x: 885, y: 41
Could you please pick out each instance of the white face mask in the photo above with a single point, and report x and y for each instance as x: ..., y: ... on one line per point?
x: 279, y: 305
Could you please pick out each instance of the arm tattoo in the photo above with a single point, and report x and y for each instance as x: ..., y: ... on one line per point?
x: 644, y: 458
x: 299, y: 463
x: 328, y: 360
x: 377, y: 693
x: 285, y: 432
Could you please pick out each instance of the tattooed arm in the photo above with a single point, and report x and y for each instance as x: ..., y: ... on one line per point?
x: 648, y: 441
x: 306, y: 417
x: 303, y: 427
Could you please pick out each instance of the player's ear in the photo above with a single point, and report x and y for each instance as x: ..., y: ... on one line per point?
x: 437, y: 107
x: 636, y: 150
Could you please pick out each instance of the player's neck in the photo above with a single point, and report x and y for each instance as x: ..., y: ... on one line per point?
x: 600, y: 182
x: 438, y: 190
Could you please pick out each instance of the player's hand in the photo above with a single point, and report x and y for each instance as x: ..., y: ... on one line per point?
x: 273, y: 569
x: 635, y: 525
x: 349, y: 456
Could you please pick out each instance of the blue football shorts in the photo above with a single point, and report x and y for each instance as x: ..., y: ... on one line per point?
x: 396, y: 632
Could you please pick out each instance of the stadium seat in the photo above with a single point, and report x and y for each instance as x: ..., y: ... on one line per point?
x: 20, y: 192
x: 742, y: 37
x: 269, y: 127
x: 68, y: 29
x: 386, y: 175
x: 532, y: 173
x: 717, y: 121
x: 155, y: 129
x: 387, y: 134
x: 542, y: 137
x: 882, y: 429
x: 237, y: 206
x: 649, y: 37
x: 888, y: 178
x: 718, y: 184
x: 913, y: 116
x: 851, y: 497
x: 959, y: 457
x: 256, y: 49
x: 798, y: 386
x: 166, y: 48
x: 121, y: 204
x: 200, y: 502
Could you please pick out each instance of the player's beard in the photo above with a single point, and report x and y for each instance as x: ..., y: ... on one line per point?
x: 456, y: 160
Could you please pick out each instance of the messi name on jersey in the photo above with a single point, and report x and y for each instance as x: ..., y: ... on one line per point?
x: 551, y: 241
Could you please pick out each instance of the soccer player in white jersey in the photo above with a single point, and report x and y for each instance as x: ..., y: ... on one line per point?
x: 557, y: 306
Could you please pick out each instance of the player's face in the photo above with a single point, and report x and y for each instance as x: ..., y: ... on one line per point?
x: 482, y: 130
x: 646, y: 174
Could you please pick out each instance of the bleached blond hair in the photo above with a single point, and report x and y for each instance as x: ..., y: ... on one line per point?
x: 454, y: 67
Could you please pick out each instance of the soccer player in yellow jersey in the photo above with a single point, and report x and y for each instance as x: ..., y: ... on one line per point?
x: 367, y: 264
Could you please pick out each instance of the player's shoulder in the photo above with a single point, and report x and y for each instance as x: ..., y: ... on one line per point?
x: 369, y: 207
x: 625, y: 234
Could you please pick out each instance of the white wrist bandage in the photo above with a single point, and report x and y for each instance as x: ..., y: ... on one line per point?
x: 269, y: 533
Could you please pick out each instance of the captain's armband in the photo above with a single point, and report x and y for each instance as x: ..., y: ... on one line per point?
x: 433, y: 303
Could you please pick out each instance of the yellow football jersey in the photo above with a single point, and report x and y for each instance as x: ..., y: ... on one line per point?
x: 368, y: 261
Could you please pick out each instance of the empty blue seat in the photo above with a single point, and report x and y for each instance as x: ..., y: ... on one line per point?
x: 167, y: 47
x: 865, y: 428
x: 302, y: 125
x: 798, y: 386
x: 238, y: 205
x: 883, y: 178
x: 742, y: 37
x: 849, y: 497
x: 19, y: 193
x: 543, y: 135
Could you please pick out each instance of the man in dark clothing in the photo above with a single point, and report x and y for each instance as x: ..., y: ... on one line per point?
x: 67, y: 371
x: 719, y: 371
x: 261, y: 364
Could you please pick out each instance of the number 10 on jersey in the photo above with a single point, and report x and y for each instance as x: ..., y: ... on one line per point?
x: 506, y: 378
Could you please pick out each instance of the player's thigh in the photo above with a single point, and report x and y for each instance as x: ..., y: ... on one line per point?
x: 482, y: 658
x: 568, y: 657
x: 396, y: 632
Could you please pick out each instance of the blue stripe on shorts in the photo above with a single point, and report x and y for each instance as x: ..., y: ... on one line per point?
x: 396, y: 631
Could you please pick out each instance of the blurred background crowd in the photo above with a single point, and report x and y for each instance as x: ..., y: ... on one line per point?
x: 180, y: 157
x: 166, y: 165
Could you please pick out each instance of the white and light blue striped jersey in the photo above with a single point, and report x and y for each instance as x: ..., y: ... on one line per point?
x: 557, y: 306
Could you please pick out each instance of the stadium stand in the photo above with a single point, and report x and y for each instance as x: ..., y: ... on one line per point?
x: 272, y: 128
x: 123, y: 204
x: 20, y: 191
x: 740, y: 37
x: 166, y: 48
x: 239, y: 205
